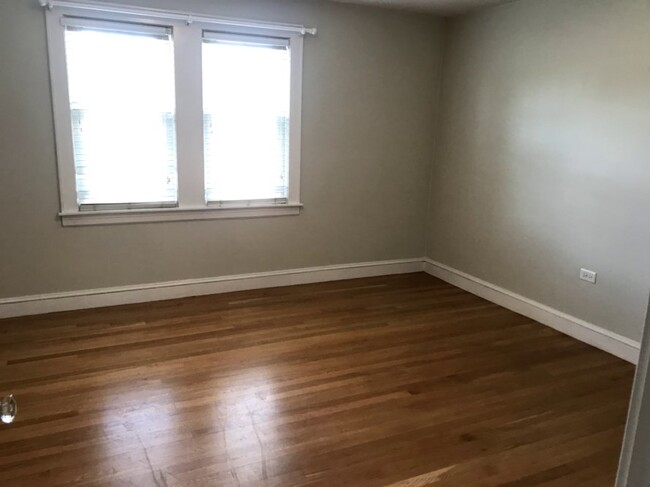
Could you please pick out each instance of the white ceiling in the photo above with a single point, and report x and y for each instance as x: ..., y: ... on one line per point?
x: 441, y: 7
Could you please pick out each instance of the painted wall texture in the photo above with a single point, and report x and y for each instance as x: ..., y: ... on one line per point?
x: 520, y: 159
x: 542, y: 164
x: 367, y: 116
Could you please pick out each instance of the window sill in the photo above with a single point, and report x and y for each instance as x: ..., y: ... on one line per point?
x: 114, y: 217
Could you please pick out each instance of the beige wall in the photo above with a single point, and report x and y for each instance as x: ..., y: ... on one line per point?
x: 541, y: 162
x: 543, y: 155
x: 367, y: 112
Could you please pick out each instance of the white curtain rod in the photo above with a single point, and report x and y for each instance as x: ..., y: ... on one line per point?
x: 174, y: 15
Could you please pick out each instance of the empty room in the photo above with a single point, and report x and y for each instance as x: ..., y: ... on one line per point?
x: 396, y: 243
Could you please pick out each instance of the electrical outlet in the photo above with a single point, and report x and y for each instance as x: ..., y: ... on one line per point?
x: 587, y: 275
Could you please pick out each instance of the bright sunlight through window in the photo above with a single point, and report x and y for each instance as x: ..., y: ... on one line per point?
x: 164, y: 115
x: 246, y: 87
x: 121, y: 88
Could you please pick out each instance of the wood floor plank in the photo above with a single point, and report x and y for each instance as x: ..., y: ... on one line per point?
x: 401, y: 381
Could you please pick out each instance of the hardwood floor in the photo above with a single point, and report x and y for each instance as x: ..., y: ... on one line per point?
x: 402, y: 381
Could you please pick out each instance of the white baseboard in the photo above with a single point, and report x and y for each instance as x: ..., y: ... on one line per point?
x: 97, y: 298
x: 589, y: 333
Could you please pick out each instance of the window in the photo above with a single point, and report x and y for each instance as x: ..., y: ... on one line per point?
x: 122, y: 110
x: 161, y: 116
x: 246, y: 86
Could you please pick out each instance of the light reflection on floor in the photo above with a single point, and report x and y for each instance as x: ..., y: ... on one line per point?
x: 167, y: 420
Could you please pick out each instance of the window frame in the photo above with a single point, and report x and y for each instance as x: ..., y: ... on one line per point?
x: 187, y: 34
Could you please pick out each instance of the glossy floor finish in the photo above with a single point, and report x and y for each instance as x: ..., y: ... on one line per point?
x: 402, y: 381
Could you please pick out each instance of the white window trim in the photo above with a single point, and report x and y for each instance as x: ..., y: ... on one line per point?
x: 188, y: 35
x: 105, y: 217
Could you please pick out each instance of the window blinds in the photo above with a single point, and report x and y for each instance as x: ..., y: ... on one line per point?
x: 121, y: 91
x: 246, y: 88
